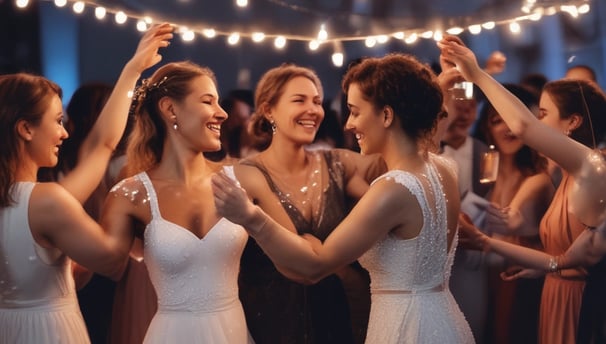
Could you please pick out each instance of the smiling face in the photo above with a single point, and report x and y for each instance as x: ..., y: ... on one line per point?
x: 199, y: 115
x: 463, y: 114
x: 48, y: 135
x: 363, y: 121
x: 298, y: 112
x: 505, y: 141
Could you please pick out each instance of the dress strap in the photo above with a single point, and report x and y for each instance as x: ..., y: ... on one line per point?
x: 151, y: 193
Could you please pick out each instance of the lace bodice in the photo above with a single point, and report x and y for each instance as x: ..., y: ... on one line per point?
x: 189, y: 273
x: 411, y: 302
x: 421, y: 263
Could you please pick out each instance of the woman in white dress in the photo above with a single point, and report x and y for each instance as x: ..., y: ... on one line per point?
x: 191, y: 253
x: 42, y: 224
x: 403, y: 229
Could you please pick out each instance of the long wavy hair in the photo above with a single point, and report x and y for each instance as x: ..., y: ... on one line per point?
x: 22, y: 97
x: 146, y: 142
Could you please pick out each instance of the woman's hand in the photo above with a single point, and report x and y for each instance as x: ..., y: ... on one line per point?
x: 231, y: 200
x: 516, y: 272
x: 146, y: 55
x: 454, y: 52
x: 501, y: 220
x: 470, y: 237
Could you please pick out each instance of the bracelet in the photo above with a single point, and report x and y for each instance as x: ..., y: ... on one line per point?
x: 255, y: 231
x: 553, y: 264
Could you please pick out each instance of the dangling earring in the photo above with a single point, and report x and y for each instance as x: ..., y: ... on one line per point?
x: 174, y: 118
x: 273, y: 127
x: 567, y: 132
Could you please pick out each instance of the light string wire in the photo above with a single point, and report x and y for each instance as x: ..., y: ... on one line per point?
x: 533, y: 11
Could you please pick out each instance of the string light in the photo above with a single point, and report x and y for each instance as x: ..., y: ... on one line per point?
x: 531, y: 9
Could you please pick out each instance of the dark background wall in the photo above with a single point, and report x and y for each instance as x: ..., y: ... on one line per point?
x: 72, y: 49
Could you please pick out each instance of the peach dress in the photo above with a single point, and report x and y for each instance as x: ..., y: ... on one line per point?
x: 562, y: 291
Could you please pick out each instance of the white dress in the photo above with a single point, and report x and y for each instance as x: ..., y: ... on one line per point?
x: 411, y: 302
x: 38, y: 301
x: 196, y: 280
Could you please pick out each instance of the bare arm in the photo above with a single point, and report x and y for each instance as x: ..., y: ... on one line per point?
x: 98, y: 147
x: 360, y: 171
x: 58, y: 220
x: 578, y: 160
x: 373, y: 217
x: 587, y: 249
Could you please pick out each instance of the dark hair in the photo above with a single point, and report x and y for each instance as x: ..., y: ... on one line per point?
x: 233, y: 127
x: 403, y: 83
x: 22, y: 97
x: 146, y: 142
x: 269, y: 90
x: 534, y: 81
x: 583, y: 98
x: 83, y: 109
x: 586, y: 68
x: 526, y: 159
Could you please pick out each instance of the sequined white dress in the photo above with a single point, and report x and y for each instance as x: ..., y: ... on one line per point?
x: 196, y: 280
x: 411, y: 302
x: 38, y: 301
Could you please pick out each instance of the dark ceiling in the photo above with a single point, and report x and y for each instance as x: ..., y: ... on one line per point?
x: 341, y: 17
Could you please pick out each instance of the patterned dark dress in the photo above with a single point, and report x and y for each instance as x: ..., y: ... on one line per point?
x: 279, y: 310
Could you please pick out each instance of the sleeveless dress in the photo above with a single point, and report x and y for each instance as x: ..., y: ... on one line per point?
x: 196, y: 280
x: 281, y: 311
x: 38, y: 301
x: 411, y: 302
x: 562, y: 291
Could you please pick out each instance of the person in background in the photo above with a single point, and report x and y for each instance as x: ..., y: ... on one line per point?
x: 518, y: 199
x: 581, y: 72
x: 403, y: 228
x: 43, y: 225
x: 534, y: 82
x: 236, y: 140
x: 307, y: 192
x: 95, y: 292
x: 563, y: 132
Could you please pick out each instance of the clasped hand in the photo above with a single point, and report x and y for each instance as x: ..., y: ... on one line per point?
x: 231, y: 201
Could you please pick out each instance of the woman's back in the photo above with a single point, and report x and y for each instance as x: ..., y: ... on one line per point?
x: 409, y: 277
x: 28, y: 313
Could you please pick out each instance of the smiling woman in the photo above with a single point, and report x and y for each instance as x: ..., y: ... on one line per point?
x: 43, y: 225
x: 192, y: 254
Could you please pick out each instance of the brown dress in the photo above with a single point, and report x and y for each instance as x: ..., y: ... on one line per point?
x: 279, y: 310
x: 135, y: 303
x: 562, y: 291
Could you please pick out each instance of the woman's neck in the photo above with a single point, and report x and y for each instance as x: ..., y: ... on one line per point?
x: 181, y: 165
x: 287, y: 156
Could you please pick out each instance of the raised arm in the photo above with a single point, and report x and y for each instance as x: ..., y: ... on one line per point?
x: 577, y: 159
x: 98, y: 147
x: 372, y: 218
